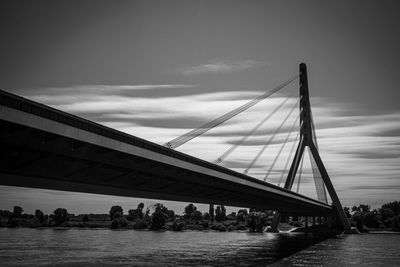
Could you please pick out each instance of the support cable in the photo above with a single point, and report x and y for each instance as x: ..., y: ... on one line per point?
x: 281, y: 148
x: 288, y: 159
x: 314, y: 136
x: 241, y: 141
x: 301, y: 171
x: 271, y: 138
x: 319, y: 182
x: 206, y: 127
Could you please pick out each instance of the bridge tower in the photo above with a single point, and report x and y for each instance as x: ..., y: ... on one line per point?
x: 308, y: 139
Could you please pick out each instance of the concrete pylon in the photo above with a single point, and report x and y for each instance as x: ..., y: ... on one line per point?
x: 307, y: 137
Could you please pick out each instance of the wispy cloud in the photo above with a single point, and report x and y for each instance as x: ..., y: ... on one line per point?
x: 103, y: 87
x: 222, y: 67
x: 93, y: 90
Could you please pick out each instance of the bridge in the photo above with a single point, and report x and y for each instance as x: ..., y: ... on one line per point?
x: 47, y: 148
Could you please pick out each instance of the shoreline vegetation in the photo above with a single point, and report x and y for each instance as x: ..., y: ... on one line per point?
x: 158, y: 217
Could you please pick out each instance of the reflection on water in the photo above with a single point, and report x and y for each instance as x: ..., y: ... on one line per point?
x: 350, y: 250
x: 32, y: 247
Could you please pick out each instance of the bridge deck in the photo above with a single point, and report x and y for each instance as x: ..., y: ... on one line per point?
x: 46, y: 148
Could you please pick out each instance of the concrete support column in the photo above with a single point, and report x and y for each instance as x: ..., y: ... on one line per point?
x: 275, y: 222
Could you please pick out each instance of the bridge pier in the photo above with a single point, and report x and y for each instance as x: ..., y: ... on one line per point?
x: 275, y: 222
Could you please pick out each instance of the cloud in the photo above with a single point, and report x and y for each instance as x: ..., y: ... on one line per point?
x: 222, y: 67
x: 75, y: 92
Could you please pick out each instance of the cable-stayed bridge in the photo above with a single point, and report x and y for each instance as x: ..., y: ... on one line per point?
x: 46, y: 148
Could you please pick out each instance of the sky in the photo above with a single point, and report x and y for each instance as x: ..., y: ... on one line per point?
x: 157, y: 69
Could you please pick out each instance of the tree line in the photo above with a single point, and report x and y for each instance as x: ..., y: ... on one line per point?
x: 159, y: 217
x: 387, y: 217
x: 155, y: 217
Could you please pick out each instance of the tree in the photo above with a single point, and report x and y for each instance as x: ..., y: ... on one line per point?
x: 116, y: 212
x: 39, y: 215
x: 220, y: 213
x: 223, y: 210
x: 385, y: 214
x: 171, y: 214
x: 197, y: 215
x: 241, y: 215
x: 256, y: 221
x: 159, y: 217
x: 189, y: 210
x: 60, y: 216
x: 5, y: 214
x: 363, y: 208
x: 17, y: 211
x: 394, y: 206
x: 147, y: 214
x: 136, y: 214
x: 371, y: 219
x: 211, y: 212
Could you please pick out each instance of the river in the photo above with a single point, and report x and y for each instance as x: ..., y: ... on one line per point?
x: 103, y: 247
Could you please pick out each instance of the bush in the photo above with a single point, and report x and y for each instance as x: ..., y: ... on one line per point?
x: 218, y: 227
x: 177, y: 225
x: 395, y: 226
x: 205, y: 224
x: 115, y: 224
x: 85, y: 218
x: 231, y: 228
x: 13, y: 222
x: 241, y: 226
x: 140, y: 224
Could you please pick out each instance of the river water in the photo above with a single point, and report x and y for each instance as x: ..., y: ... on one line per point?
x: 103, y: 247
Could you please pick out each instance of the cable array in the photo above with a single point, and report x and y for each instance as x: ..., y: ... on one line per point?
x: 250, y: 133
x: 214, y: 123
x: 281, y: 148
x: 271, y: 138
x: 288, y: 159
